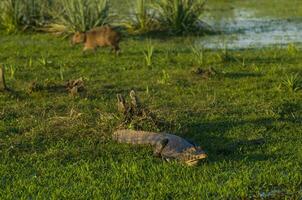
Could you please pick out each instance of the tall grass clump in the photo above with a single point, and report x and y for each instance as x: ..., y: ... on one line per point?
x: 18, y: 15
x: 164, y: 80
x: 293, y: 82
x: 198, y: 53
x: 179, y: 16
x: 80, y: 15
x: 141, y: 19
x: 148, y: 54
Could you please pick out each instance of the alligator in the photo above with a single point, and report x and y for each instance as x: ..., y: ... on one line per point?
x: 167, y: 146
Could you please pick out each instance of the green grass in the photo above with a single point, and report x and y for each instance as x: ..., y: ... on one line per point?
x: 80, y: 15
x: 17, y: 15
x: 54, y: 146
x: 175, y: 17
x: 142, y: 18
x: 179, y: 16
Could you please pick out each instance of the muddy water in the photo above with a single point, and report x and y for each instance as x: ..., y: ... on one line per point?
x: 246, y: 23
x: 254, y: 24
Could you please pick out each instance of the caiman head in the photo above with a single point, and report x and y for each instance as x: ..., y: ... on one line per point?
x: 192, y: 156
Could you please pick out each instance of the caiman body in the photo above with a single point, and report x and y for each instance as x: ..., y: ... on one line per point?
x: 167, y: 146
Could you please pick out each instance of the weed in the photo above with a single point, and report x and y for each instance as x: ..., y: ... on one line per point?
x: 62, y: 73
x: 22, y: 14
x: 30, y: 62
x: 293, y: 82
x: 142, y: 19
x: 165, y: 78
x: 147, y: 90
x: 292, y: 49
x: 257, y: 68
x: 44, y: 60
x: 12, y: 70
x: 198, y: 54
x: 243, y: 63
x: 179, y: 16
x: 226, y: 56
x: 148, y: 54
x: 175, y: 16
x: 80, y: 15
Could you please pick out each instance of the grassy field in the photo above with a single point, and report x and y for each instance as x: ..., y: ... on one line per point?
x: 54, y: 146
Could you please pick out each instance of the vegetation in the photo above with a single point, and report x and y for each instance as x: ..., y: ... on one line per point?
x: 142, y: 19
x: 23, y: 14
x: 180, y: 16
x: 244, y: 107
x: 81, y: 15
x: 53, y: 15
x: 198, y: 55
x: 293, y: 82
x: 148, y: 54
x: 57, y: 146
x: 175, y: 16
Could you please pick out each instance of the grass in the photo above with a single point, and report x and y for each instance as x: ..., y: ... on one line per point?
x: 142, y: 18
x: 293, y: 82
x: 60, y: 16
x: 179, y: 16
x: 148, y: 53
x: 12, y: 71
x: 56, y: 146
x: 19, y: 15
x: 80, y: 15
x: 69, y: 16
x: 198, y: 55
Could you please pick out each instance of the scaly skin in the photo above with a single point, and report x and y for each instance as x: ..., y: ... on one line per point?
x: 166, y: 145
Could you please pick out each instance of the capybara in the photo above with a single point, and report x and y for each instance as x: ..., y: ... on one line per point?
x: 98, y: 37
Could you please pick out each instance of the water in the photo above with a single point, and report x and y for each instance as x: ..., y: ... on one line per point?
x: 246, y: 25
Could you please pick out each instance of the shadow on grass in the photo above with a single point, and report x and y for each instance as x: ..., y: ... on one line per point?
x: 238, y: 75
x: 272, y: 60
x: 204, y: 30
x: 210, y: 135
x: 15, y: 94
x: 109, y: 91
x: 51, y: 86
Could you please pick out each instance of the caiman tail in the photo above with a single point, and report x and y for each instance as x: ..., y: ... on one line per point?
x: 136, y: 137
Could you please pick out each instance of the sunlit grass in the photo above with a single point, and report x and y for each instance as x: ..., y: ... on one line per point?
x: 148, y: 53
x: 141, y: 18
x: 56, y: 146
x: 17, y: 15
x: 179, y: 16
x: 78, y: 15
x: 293, y: 82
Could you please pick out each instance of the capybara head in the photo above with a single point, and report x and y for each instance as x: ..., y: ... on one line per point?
x: 78, y: 37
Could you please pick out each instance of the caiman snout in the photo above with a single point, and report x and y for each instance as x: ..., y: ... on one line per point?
x: 202, y: 156
x: 196, y: 159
